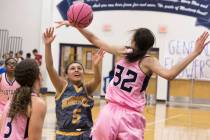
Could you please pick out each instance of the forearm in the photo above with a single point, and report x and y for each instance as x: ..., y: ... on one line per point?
x: 91, y: 86
x: 97, y: 77
x: 87, y: 34
x: 176, y: 69
x: 48, y: 57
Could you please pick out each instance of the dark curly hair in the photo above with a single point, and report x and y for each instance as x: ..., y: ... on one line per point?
x: 144, y: 40
x: 26, y: 72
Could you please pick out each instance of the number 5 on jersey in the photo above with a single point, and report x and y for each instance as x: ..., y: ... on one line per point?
x: 9, y: 128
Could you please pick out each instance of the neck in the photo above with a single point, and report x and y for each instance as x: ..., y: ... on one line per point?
x: 10, y: 75
x: 36, y: 87
x: 77, y: 83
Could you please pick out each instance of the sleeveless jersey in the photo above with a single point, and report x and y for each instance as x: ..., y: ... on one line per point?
x: 16, y: 129
x: 73, y: 110
x: 128, y: 86
x: 7, y: 88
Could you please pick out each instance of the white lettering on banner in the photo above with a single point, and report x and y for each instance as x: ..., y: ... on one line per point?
x: 177, y: 50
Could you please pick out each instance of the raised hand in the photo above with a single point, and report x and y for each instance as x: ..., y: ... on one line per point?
x: 97, y: 57
x: 201, y: 43
x: 48, y: 36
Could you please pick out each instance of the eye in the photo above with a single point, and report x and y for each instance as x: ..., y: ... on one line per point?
x: 79, y: 68
x: 72, y: 68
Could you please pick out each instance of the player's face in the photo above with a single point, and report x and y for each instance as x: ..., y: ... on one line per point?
x: 75, y: 72
x: 10, y: 65
x: 133, y: 45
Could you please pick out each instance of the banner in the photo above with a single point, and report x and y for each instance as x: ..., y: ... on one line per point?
x: 199, y: 9
x: 177, y: 50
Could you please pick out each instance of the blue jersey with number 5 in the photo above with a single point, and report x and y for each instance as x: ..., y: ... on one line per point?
x: 73, y: 110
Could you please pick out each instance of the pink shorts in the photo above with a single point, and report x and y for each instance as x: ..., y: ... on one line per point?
x: 118, y: 123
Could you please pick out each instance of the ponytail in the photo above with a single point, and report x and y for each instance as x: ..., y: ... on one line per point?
x: 143, y: 39
x: 20, y: 101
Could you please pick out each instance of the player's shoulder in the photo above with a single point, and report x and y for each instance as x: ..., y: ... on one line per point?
x: 148, y: 60
x: 38, y: 104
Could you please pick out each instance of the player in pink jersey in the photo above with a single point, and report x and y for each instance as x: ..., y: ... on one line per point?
x: 23, y: 116
x: 7, y: 83
x: 121, y: 118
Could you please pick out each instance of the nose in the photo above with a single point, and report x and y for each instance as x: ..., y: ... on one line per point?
x: 77, y: 69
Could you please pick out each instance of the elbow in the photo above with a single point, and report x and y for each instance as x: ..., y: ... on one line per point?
x: 97, y: 81
x: 170, y: 77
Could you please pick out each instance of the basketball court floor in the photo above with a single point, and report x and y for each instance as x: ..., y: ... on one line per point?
x: 164, y: 122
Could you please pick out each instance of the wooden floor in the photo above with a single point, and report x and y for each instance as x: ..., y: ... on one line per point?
x: 163, y: 122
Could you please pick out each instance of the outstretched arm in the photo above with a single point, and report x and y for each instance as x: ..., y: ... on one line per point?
x: 154, y: 65
x: 95, y: 40
x: 92, y: 85
x: 92, y: 38
x: 57, y: 81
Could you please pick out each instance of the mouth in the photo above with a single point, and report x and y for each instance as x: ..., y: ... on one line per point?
x: 77, y: 75
x: 12, y: 69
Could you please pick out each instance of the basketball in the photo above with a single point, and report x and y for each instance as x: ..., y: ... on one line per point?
x: 80, y: 14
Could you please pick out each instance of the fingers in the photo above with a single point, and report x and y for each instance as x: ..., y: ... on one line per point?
x: 206, y: 43
x: 101, y: 52
x: 204, y: 36
x: 49, y: 32
x: 53, y: 37
x: 44, y: 35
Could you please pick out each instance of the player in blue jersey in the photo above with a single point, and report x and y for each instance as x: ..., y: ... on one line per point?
x: 73, y: 98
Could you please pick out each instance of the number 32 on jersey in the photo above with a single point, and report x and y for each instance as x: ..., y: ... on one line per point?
x: 132, y: 78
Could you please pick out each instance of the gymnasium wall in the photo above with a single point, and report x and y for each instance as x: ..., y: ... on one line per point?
x: 179, y: 27
x: 29, y: 18
x: 22, y: 18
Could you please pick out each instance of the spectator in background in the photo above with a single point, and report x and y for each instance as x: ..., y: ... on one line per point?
x: 28, y: 56
x: 2, y: 60
x: 37, y: 56
x: 18, y: 56
x: 5, y: 56
x: 11, y: 54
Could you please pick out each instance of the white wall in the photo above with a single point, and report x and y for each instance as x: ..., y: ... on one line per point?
x: 29, y: 18
x: 178, y: 26
x: 22, y: 18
